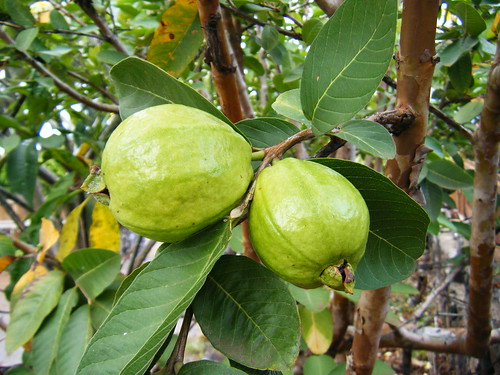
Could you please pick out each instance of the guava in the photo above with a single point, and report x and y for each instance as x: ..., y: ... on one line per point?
x: 308, y: 224
x: 171, y: 170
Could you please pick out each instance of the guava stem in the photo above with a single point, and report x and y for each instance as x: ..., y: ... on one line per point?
x: 258, y: 155
x: 339, y: 277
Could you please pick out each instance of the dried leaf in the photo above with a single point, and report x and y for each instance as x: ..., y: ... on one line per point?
x: 104, y: 232
x: 69, y: 232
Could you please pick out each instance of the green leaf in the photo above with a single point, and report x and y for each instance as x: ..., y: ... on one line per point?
x: 74, y: 339
x: 111, y: 57
x: 382, y: 368
x: 251, y: 62
x: 311, y: 29
x: 22, y: 169
x: 69, y: 160
x: 317, y: 329
x: 252, y: 371
x: 469, y: 111
x: 347, y: 61
x: 266, y: 131
x: 398, y: 226
x: 319, y: 365
x: 148, y: 309
x: 58, y: 21
x: 9, y: 122
x: 264, y: 331
x: 447, y: 174
x: 315, y: 300
x: 433, y: 199
x: 402, y: 288
x: 472, y: 21
x: 288, y: 104
x: 19, y: 13
x: 10, y: 142
x: 141, y: 84
x: 92, y: 269
x: 35, y: 303
x: 370, y: 137
x: 460, y: 73
x: 128, y: 281
x: 269, y: 38
x: 25, y: 38
x: 456, y: 50
x: 46, y: 342
x: 177, y: 39
x: 208, y: 368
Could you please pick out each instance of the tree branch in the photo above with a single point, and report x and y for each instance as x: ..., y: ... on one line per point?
x: 102, y: 90
x: 57, y: 81
x: 54, y: 31
x: 109, y: 36
x: 237, y: 12
x: 329, y: 6
x: 482, y: 242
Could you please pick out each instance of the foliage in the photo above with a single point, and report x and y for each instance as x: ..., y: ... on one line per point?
x: 79, y: 302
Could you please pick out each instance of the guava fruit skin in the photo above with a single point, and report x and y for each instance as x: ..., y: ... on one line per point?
x: 172, y: 170
x: 304, y: 218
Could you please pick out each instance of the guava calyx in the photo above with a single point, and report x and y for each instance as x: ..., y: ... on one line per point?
x: 339, y: 277
x: 95, y: 185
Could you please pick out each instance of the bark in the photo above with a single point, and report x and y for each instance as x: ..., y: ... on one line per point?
x: 329, y: 6
x: 415, y: 64
x: 342, y: 312
x: 224, y: 72
x: 482, y: 243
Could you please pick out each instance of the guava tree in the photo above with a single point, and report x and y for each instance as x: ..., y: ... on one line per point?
x: 396, y: 102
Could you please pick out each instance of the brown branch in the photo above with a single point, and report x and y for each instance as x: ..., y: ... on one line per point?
x: 102, y: 90
x: 12, y: 214
x: 395, y: 121
x: 329, y: 6
x: 54, y: 31
x: 332, y: 146
x: 177, y: 357
x: 439, y: 114
x: 109, y: 36
x: 342, y: 311
x: 57, y: 81
x: 482, y: 242
x: 238, y: 13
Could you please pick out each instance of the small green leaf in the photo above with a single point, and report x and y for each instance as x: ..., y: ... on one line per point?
x: 269, y: 38
x: 447, y: 174
x: 288, y: 104
x: 22, y: 167
x: 456, y: 50
x: 264, y: 332
x: 369, y: 137
x: 472, y: 21
x: 469, y: 111
x: 319, y: 365
x: 111, y: 57
x: 25, y: 38
x: 398, y: 226
x: 317, y: 329
x: 433, y: 199
x: 315, y: 300
x: 460, y: 73
x: 347, y: 61
x: 58, y: 21
x: 46, y: 342
x: 149, y: 308
x: 266, y: 131
x: 402, y: 288
x: 10, y: 142
x: 35, y: 303
x: 92, y: 269
x: 74, y: 339
x: 311, y: 29
x: 208, y: 368
x: 19, y: 13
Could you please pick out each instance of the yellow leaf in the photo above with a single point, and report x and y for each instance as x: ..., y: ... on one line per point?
x: 48, y: 237
x: 494, y: 26
x: 317, y: 329
x: 104, y: 231
x: 178, y: 37
x: 69, y: 232
x: 5, y: 261
x: 25, y: 280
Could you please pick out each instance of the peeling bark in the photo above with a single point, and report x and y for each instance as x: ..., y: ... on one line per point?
x: 482, y: 243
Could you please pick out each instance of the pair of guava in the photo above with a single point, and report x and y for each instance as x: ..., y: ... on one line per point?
x: 172, y: 170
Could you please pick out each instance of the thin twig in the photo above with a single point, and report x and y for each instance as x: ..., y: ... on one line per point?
x: 13, y: 215
x: 57, y: 81
x: 102, y: 90
x: 67, y: 13
x: 15, y: 198
x: 237, y: 12
x: 53, y: 31
x: 177, y: 358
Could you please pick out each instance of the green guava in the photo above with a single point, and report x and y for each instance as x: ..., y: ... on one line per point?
x: 171, y: 170
x: 308, y: 224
